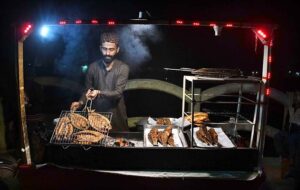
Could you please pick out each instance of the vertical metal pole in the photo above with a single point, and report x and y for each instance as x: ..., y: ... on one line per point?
x: 238, y: 109
x: 255, y: 115
x: 267, y: 53
x: 24, y: 132
x: 263, y: 107
x: 183, y: 101
x: 192, y: 112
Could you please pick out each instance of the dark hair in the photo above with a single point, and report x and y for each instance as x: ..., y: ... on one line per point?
x: 109, y: 37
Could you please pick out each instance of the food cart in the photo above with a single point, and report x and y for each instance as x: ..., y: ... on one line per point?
x: 189, y: 157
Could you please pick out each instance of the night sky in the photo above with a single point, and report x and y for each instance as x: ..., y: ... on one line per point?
x: 286, y: 38
x: 282, y: 13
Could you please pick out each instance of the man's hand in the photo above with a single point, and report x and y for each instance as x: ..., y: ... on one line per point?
x: 75, y: 105
x: 92, y: 94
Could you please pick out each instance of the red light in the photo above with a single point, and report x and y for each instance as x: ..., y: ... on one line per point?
x: 179, y: 21
x: 27, y: 28
x: 270, y: 59
x: 196, y: 23
x: 94, y: 21
x: 229, y: 25
x: 212, y: 24
x: 268, y: 91
x: 269, y: 76
x: 261, y: 33
x: 111, y: 22
x: 62, y: 22
x: 78, y: 21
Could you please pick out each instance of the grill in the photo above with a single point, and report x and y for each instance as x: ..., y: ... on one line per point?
x: 69, y: 137
x: 217, y: 72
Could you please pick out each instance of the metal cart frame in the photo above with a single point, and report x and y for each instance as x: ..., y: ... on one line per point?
x: 256, y: 28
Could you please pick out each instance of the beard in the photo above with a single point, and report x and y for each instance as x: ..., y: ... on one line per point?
x: 108, y: 59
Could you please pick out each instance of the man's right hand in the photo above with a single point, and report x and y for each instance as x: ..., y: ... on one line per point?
x: 75, y: 106
x: 92, y: 94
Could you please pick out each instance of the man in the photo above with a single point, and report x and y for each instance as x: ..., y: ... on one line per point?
x: 105, y: 82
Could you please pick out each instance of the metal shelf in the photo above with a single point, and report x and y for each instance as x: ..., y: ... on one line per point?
x: 238, y: 98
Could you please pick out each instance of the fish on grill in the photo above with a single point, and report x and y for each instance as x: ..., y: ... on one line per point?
x: 64, y: 129
x: 153, y: 136
x: 87, y: 137
x: 79, y: 121
x: 99, y: 122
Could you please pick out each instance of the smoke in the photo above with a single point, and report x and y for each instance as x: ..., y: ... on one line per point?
x: 75, y: 50
x: 81, y: 46
x: 134, y: 38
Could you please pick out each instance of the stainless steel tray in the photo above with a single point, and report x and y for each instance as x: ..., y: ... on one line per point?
x: 179, y: 139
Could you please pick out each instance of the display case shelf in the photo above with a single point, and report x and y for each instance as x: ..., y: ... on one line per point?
x: 236, y: 102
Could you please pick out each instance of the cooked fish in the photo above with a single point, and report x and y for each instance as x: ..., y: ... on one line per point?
x: 171, y: 140
x: 199, y: 117
x: 202, y: 135
x: 163, y: 121
x: 213, y: 135
x: 87, y: 137
x: 64, y: 129
x: 79, y: 121
x: 164, y: 136
x: 153, y: 136
x: 99, y: 122
x: 169, y: 129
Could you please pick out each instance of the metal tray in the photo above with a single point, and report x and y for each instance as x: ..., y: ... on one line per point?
x: 179, y: 139
x: 223, y: 140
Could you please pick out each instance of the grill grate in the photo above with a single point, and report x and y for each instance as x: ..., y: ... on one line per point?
x: 217, y: 72
x: 66, y: 134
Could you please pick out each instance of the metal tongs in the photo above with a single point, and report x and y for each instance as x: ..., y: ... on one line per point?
x: 88, y: 105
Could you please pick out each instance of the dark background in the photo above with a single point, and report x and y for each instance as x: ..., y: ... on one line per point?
x: 285, y: 50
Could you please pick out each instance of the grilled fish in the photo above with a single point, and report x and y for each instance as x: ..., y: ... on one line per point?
x: 164, y: 136
x: 163, y: 121
x: 153, y: 136
x: 99, y: 122
x: 202, y: 135
x: 87, y: 137
x: 199, y: 117
x: 214, y: 136
x: 64, y: 129
x: 171, y: 140
x: 79, y: 121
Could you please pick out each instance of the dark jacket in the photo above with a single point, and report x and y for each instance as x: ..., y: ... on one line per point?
x: 111, y: 85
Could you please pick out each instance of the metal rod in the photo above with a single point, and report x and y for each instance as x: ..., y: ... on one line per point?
x: 180, y: 69
x: 254, y: 117
x: 238, y: 109
x: 24, y: 133
x: 192, y: 112
x: 183, y: 101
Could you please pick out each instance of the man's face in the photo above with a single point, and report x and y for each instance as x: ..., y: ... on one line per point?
x: 109, y: 51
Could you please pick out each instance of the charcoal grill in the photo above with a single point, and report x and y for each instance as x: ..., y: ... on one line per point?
x: 65, y: 142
